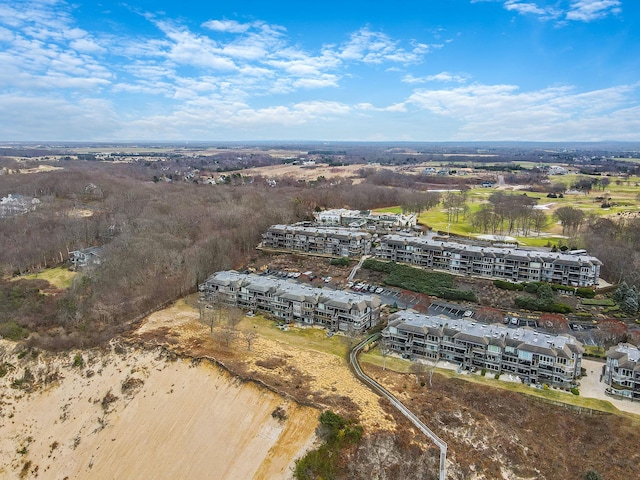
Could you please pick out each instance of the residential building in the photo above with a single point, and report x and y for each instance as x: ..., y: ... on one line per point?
x: 622, y: 371
x: 506, y: 263
x: 85, y: 257
x: 337, y: 242
x: 293, y: 302
x: 15, y: 204
x: 365, y: 219
x: 532, y: 356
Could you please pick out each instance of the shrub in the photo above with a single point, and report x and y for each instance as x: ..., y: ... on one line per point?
x: 592, y: 475
x: 496, y: 376
x: 575, y: 391
x: 78, y: 361
x: 531, y: 287
x: 504, y: 285
x: 585, y: 292
x: 13, y: 331
x: 377, y: 265
x: 342, y: 261
x: 483, y: 372
x: 322, y: 462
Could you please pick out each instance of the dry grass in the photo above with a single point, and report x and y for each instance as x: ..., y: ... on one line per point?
x: 60, y: 277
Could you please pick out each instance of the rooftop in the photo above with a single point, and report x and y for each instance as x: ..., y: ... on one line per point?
x: 476, y: 329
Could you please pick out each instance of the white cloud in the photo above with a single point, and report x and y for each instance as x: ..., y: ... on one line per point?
x: 46, y: 118
x: 230, y: 26
x: 438, y: 77
x: 375, y: 47
x: 589, y: 10
x: 501, y: 112
x: 576, y: 10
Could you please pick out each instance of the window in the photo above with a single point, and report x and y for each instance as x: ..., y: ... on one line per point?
x: 522, y: 355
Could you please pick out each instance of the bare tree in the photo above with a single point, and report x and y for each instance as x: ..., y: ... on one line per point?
x: 249, y: 336
x: 433, y: 367
x: 419, y: 369
x: 234, y: 317
x: 383, y: 345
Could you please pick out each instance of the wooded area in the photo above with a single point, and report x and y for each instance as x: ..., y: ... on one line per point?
x: 159, y: 239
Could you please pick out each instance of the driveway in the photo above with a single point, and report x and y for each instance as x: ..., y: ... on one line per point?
x: 592, y: 387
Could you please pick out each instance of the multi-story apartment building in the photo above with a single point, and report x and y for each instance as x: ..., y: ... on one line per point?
x: 337, y: 242
x: 365, y: 218
x: 622, y: 371
x: 508, y: 263
x: 293, y: 302
x: 534, y: 357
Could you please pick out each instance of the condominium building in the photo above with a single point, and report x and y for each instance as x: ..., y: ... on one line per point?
x: 622, y: 371
x: 365, y: 218
x: 337, y: 242
x: 507, y: 263
x: 293, y: 302
x: 534, y: 357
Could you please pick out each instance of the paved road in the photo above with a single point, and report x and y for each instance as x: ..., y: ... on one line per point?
x: 380, y: 390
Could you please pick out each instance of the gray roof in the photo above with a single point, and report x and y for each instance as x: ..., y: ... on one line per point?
x: 523, y: 338
x: 291, y: 290
x: 624, y: 349
x: 512, y: 253
x: 320, y: 231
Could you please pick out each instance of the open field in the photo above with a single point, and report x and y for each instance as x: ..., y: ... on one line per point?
x: 59, y: 277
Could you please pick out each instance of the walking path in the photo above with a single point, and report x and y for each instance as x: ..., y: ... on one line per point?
x: 352, y: 275
x: 380, y: 390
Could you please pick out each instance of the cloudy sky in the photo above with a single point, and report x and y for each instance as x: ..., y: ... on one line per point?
x: 414, y: 70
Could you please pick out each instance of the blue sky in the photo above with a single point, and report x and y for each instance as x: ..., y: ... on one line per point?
x: 408, y: 70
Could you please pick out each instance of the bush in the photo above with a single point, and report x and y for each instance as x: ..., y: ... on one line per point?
x: 322, y: 462
x: 585, y: 292
x: 342, y: 261
x: 575, y: 391
x: 13, y: 331
x: 455, y: 294
x: 483, y: 372
x: 504, y: 285
x: 78, y: 361
x: 496, y: 376
x: 592, y: 475
x: 377, y: 265
x: 531, y: 287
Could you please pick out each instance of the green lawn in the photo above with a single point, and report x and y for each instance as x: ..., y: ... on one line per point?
x: 59, y: 277
x: 303, y: 338
x: 622, y: 192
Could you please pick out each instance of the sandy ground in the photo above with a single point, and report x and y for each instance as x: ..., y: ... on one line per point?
x: 141, y: 415
x: 320, y: 374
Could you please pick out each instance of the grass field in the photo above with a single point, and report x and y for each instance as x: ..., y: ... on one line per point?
x: 623, y: 193
x: 59, y: 277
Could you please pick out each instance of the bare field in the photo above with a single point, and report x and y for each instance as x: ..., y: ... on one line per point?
x: 300, y: 362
